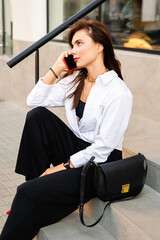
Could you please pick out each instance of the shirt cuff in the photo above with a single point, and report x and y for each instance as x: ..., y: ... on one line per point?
x: 42, y: 84
x: 78, y: 159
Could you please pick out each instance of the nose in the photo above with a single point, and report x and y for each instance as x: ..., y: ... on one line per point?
x: 73, y: 51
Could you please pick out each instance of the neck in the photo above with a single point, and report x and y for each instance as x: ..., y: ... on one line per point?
x: 94, y: 72
x: 96, y: 68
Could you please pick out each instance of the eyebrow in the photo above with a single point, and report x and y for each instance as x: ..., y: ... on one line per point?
x: 78, y: 40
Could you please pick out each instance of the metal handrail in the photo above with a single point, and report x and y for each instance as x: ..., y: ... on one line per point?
x: 48, y: 37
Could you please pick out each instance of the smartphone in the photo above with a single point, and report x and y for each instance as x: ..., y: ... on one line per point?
x: 70, y: 63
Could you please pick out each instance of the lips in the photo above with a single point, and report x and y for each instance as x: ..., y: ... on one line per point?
x: 75, y: 59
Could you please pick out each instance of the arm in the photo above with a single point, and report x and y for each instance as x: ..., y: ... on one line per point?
x: 58, y: 67
x: 45, y: 93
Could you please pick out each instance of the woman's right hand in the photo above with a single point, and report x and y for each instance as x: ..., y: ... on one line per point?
x: 58, y: 67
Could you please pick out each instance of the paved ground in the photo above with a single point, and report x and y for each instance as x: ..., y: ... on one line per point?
x: 12, y: 120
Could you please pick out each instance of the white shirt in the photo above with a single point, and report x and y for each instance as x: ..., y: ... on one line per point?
x: 105, y: 117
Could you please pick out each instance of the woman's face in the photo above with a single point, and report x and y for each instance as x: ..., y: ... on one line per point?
x: 84, y: 49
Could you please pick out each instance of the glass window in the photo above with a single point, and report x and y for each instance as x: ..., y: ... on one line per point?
x: 61, y: 10
x: 132, y: 23
x: 5, y: 28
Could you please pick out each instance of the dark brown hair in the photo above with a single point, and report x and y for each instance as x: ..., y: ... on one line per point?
x: 99, y: 34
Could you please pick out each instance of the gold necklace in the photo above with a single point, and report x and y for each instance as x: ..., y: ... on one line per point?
x: 91, y: 79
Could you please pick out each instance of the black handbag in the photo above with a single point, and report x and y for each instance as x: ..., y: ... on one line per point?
x: 121, y: 179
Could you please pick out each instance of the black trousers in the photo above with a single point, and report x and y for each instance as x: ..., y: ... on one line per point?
x: 43, y: 201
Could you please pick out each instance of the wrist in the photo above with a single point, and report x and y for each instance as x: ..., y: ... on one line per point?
x: 58, y: 68
x: 71, y: 165
x: 68, y: 164
x: 53, y: 72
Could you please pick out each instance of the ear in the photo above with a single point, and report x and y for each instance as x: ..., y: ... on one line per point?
x: 99, y: 47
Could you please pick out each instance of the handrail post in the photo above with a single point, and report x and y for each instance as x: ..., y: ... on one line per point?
x: 3, y: 28
x: 36, y: 66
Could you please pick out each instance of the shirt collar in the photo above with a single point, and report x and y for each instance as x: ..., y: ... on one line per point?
x: 107, y: 77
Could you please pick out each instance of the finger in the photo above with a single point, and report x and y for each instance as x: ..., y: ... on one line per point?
x: 43, y: 174
x: 66, y: 54
x: 69, y: 52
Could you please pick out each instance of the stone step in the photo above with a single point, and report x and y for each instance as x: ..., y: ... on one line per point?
x: 136, y: 219
x: 127, y: 153
x: 70, y: 228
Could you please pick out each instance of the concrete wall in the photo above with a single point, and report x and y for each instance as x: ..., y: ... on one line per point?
x: 16, y: 83
x: 141, y: 72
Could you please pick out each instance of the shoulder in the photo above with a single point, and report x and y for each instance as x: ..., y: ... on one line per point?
x: 114, y: 88
x: 115, y: 85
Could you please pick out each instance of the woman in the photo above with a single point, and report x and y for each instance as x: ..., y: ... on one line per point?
x: 98, y: 106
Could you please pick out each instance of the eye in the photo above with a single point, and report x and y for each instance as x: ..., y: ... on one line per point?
x: 79, y: 43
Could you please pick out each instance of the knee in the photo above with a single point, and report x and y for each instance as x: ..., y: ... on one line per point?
x: 24, y: 190
x: 34, y: 113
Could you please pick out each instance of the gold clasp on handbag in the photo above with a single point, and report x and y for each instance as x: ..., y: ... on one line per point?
x: 80, y: 207
x: 125, y: 188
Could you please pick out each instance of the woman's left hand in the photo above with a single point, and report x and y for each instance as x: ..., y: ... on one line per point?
x: 53, y: 170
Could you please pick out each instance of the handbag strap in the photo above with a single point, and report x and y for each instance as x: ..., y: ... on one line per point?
x: 82, y: 190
